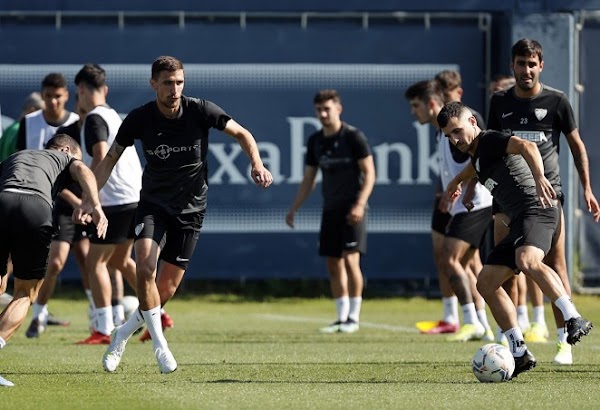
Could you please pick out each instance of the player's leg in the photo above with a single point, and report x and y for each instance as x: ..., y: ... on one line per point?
x: 503, y: 309
x: 455, y: 249
x: 473, y: 265
x: 538, y: 330
x: 556, y: 259
x: 501, y: 230
x: 97, y: 265
x: 59, y: 251
x: 449, y: 322
x: 355, y: 290
x: 529, y: 260
x: 13, y: 315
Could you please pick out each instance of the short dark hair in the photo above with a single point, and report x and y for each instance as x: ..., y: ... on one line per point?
x: 165, y: 63
x: 527, y: 47
x: 92, y: 76
x: 54, y: 80
x: 452, y: 109
x: 448, y: 80
x: 326, y: 95
x: 424, y: 91
x: 62, y: 140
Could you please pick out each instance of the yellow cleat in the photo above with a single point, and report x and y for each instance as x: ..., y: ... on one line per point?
x: 468, y: 332
x: 537, y: 333
x: 564, y: 356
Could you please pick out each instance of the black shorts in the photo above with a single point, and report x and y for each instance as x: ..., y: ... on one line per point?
x: 26, y: 231
x: 176, y: 235
x: 65, y: 230
x: 120, y: 225
x: 535, y: 227
x: 337, y: 235
x: 439, y: 219
x: 471, y: 226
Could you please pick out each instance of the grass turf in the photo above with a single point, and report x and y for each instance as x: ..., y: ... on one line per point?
x: 268, y: 355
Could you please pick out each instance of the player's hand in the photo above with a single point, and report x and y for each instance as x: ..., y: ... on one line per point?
x: 592, y: 205
x: 289, y: 218
x: 100, y: 221
x: 356, y: 214
x: 446, y: 203
x: 454, y: 189
x: 545, y: 192
x: 261, y: 176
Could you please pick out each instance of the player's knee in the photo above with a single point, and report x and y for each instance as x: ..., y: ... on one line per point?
x: 55, y: 266
x: 145, y: 271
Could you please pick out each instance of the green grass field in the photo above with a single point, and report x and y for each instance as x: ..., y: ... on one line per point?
x: 248, y: 355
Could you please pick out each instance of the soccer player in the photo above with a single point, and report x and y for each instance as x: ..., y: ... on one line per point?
x: 538, y: 113
x: 67, y: 236
x: 173, y: 130
x: 35, y: 129
x: 119, y: 197
x: 513, y: 170
x: 344, y: 157
x: 462, y: 235
x: 29, y: 182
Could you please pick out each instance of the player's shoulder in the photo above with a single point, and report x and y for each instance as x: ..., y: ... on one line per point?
x: 551, y: 92
x: 352, y: 131
x: 34, y: 114
x: 507, y: 93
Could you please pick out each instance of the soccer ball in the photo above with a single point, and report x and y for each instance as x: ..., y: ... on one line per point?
x: 493, y: 363
x: 130, y: 304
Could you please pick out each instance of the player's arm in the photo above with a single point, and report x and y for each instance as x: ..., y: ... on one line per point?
x: 582, y: 164
x: 367, y: 168
x: 454, y: 188
x: 91, y: 206
x: 104, y: 168
x: 70, y: 197
x: 304, y: 190
x: 261, y: 176
x: 531, y: 154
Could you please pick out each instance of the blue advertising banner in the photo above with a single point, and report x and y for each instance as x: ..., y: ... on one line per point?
x: 244, y: 228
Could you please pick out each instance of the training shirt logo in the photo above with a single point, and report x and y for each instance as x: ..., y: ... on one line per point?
x: 490, y: 184
x: 164, y: 151
x: 508, y: 114
x: 540, y: 113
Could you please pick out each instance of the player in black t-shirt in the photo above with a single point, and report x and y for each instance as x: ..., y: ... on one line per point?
x: 512, y: 169
x: 173, y: 130
x: 538, y: 113
x: 67, y: 236
x: 344, y: 157
x: 29, y: 182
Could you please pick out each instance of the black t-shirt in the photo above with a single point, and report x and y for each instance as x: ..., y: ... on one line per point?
x: 96, y: 130
x: 337, y: 156
x: 175, y: 175
x: 60, y: 205
x: 45, y: 172
x: 541, y: 119
x: 508, y: 177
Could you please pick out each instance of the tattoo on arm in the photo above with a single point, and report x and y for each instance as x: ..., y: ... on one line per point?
x: 115, y: 150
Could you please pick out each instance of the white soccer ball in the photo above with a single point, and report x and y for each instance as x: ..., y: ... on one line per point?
x: 493, y: 363
x: 130, y: 304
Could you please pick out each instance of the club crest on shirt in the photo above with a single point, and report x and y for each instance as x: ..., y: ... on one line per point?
x: 540, y: 113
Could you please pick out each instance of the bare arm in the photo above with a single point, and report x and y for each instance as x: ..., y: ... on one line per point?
x: 104, y: 167
x: 454, y: 188
x: 582, y: 163
x: 357, y: 211
x: 82, y: 174
x: 304, y: 190
x: 261, y: 176
x: 530, y: 152
x: 99, y: 151
x: 70, y: 197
